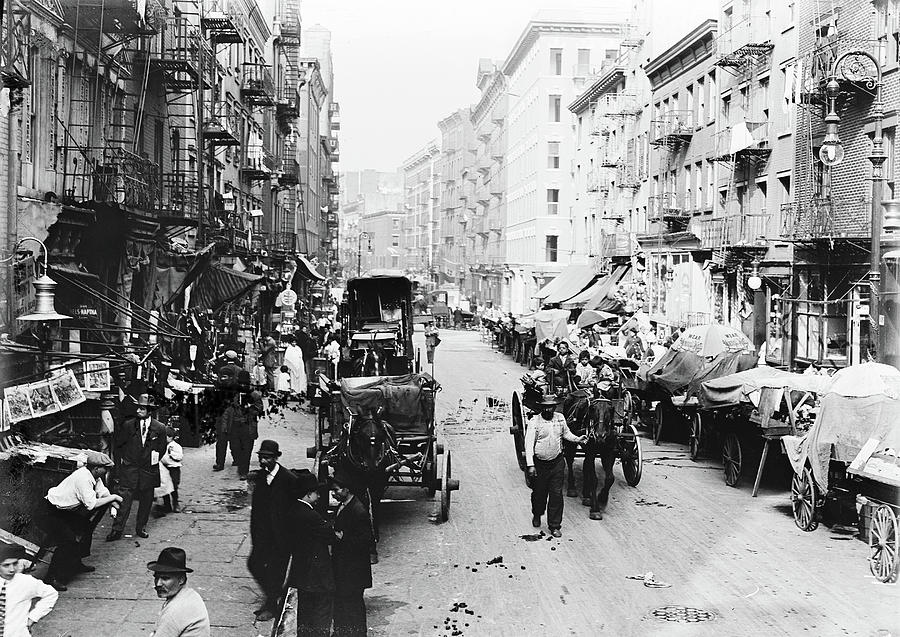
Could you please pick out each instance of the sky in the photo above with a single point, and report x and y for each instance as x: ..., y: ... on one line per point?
x: 403, y: 65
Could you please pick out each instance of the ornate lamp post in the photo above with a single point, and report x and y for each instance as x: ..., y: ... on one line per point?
x: 359, y: 250
x: 856, y: 66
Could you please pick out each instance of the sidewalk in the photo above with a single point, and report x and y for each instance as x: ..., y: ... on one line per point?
x: 118, y: 600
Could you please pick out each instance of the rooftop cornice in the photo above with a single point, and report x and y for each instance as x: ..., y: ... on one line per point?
x: 705, y: 30
x: 535, y: 28
x: 600, y: 86
x: 489, y: 98
x: 431, y: 150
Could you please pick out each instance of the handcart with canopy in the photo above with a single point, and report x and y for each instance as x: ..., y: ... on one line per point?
x: 857, y: 433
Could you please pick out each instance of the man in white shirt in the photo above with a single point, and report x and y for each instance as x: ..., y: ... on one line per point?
x: 546, y: 466
x: 23, y: 598
x: 66, y: 518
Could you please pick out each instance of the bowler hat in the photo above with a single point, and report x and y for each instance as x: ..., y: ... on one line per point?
x: 145, y: 400
x: 12, y: 552
x: 171, y: 560
x: 548, y: 401
x: 342, y: 478
x: 306, y: 483
x: 268, y: 448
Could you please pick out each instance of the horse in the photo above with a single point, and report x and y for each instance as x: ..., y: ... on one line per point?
x: 594, y: 417
x: 367, y: 450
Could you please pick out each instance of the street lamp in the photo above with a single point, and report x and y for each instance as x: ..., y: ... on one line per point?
x: 854, y: 66
x: 359, y: 250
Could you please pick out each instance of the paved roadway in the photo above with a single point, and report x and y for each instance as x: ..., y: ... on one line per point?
x: 741, y: 559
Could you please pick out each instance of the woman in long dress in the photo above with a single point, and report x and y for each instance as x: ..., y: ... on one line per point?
x: 293, y: 358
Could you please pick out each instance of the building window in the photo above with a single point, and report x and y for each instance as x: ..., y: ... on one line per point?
x: 552, y: 201
x: 396, y: 223
x: 556, y: 61
x: 551, y: 247
x: 584, y: 63
x: 395, y: 240
x: 555, y: 108
x: 552, y: 154
x: 395, y: 262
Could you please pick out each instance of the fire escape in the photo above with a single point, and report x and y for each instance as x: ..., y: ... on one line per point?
x: 99, y: 124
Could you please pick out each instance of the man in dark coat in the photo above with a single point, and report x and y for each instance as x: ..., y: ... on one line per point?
x: 270, y: 531
x: 138, y: 444
x: 311, y: 568
x: 350, y: 557
x: 562, y: 366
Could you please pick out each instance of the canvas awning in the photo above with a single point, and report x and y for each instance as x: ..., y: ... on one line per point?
x: 219, y: 285
x: 602, y: 284
x: 307, y: 270
x: 572, y: 280
x: 598, y: 300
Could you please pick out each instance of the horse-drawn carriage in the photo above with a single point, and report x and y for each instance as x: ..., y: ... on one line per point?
x: 603, y: 415
x: 380, y: 427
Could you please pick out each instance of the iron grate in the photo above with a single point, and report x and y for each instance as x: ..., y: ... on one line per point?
x: 682, y: 614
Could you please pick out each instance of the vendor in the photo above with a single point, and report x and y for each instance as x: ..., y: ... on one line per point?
x: 66, y: 518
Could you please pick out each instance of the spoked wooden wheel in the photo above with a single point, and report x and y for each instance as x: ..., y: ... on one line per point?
x: 731, y: 458
x: 883, y: 544
x: 696, y: 432
x: 431, y: 471
x: 628, y: 417
x: 518, y: 429
x: 658, y: 422
x: 803, y: 500
x: 632, y: 456
x: 448, y: 485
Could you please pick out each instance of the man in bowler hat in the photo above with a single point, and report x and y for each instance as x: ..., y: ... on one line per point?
x: 350, y: 558
x: 183, y: 613
x: 311, y: 569
x: 138, y: 444
x: 270, y: 532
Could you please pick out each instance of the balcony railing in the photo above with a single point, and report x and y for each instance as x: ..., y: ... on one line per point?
x: 745, y: 141
x: 257, y: 86
x: 672, y: 127
x: 627, y: 177
x: 275, y: 242
x: 598, y: 181
x: 832, y: 218
x: 615, y: 245
x: 288, y: 106
x: 117, y: 17
x: 748, y: 39
x: 259, y: 163
x: 289, y: 173
x: 128, y: 180
x: 221, y: 128
x: 618, y: 105
x: 179, y: 196
x: 735, y: 231
x: 668, y: 207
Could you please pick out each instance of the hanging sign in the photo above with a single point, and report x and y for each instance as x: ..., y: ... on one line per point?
x: 287, y: 298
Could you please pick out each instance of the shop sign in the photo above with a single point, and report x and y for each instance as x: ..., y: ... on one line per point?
x: 287, y: 298
x: 86, y: 312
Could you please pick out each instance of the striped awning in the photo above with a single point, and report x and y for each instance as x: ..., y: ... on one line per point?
x: 219, y: 285
x: 307, y: 270
x: 598, y: 290
x: 572, y: 280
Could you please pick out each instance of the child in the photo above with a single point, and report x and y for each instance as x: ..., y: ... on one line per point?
x: 26, y: 599
x: 172, y: 461
x: 258, y: 375
x: 283, y: 382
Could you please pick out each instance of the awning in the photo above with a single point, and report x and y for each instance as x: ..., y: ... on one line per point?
x: 572, y: 280
x: 219, y: 285
x: 594, y: 297
x: 307, y: 270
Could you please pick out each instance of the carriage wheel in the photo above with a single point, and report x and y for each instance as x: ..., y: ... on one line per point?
x: 883, y: 544
x: 731, y: 458
x: 632, y: 456
x: 446, y: 487
x: 696, y: 432
x: 658, y: 422
x: 628, y: 407
x: 518, y: 429
x: 431, y: 474
x: 803, y: 500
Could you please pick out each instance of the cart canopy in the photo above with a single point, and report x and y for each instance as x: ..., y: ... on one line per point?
x: 733, y: 389
x: 678, y: 371
x: 846, y: 423
x: 407, y: 401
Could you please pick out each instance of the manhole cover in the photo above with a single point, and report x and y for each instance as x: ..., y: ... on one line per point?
x: 682, y: 614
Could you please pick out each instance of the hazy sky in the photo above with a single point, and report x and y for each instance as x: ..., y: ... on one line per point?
x: 403, y: 65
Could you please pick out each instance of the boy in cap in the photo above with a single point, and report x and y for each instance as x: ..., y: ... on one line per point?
x: 66, y: 518
x: 23, y: 598
x: 546, y: 466
x: 350, y: 556
x: 183, y: 613
x: 270, y: 531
